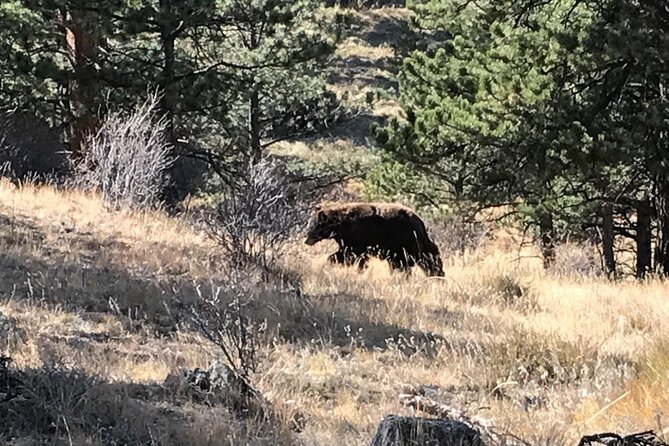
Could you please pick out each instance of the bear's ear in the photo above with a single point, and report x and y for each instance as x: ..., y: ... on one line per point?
x: 321, y: 215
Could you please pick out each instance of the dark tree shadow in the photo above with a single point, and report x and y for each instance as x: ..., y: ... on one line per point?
x: 366, y: 3
x: 51, y: 404
x: 357, y: 130
x: 347, y: 320
x: 165, y: 305
x: 68, y: 274
x: 386, y: 30
x: 365, y: 72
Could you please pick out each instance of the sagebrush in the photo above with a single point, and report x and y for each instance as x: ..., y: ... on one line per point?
x: 127, y: 159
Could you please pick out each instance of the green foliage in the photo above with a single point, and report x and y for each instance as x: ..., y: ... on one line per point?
x: 554, y: 107
x: 469, y: 128
x: 29, y: 65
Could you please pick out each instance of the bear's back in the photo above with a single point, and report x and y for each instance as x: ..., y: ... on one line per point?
x: 376, y: 224
x: 360, y: 210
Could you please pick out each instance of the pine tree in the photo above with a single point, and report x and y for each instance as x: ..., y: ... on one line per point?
x: 486, y: 115
x: 558, y: 107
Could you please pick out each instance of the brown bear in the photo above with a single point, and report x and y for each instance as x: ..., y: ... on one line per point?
x: 391, y: 232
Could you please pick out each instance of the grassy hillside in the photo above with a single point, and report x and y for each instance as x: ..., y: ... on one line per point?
x: 94, y: 306
x: 547, y: 357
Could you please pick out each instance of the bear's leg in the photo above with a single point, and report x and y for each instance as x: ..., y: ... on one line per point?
x: 362, y: 261
x: 347, y: 258
x: 399, y: 265
x: 337, y: 257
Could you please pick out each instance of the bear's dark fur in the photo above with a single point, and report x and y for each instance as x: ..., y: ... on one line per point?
x: 391, y: 232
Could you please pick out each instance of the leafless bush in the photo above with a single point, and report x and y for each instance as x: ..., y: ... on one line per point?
x: 128, y: 158
x: 455, y: 234
x: 580, y: 259
x: 221, y: 315
x: 29, y: 148
x: 254, y: 219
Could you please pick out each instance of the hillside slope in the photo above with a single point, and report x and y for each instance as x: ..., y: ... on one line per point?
x: 86, y: 289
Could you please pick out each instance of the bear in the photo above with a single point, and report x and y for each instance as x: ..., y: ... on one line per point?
x: 388, y: 231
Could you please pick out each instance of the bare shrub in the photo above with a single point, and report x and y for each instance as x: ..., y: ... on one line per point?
x: 254, y: 219
x: 577, y: 259
x: 455, y: 234
x: 223, y: 315
x: 128, y: 158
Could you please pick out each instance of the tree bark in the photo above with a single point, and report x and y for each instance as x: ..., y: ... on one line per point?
x: 546, y: 239
x: 643, y: 239
x: 608, y: 239
x: 81, y: 45
x: 171, y: 26
x: 254, y: 104
x: 168, y: 35
x: 254, y: 126
x: 662, y: 209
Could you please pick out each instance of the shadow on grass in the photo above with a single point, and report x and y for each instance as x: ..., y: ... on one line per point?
x: 74, y: 272
x: 365, y: 72
x: 386, y: 30
x: 357, y: 130
x: 58, y: 278
x: 345, y: 320
x: 378, y: 28
x: 70, y: 407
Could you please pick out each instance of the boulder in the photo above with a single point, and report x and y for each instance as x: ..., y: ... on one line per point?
x: 396, y: 430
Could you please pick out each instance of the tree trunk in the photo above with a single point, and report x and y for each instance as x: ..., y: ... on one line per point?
x: 168, y: 35
x: 662, y: 209
x: 81, y: 45
x: 254, y: 105
x: 170, y: 28
x: 643, y: 239
x: 546, y: 239
x: 254, y: 126
x: 397, y: 430
x: 607, y: 240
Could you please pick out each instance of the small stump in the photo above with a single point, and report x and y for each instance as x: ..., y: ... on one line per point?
x: 413, y: 431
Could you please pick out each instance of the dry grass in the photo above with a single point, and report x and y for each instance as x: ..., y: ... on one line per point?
x: 545, y: 355
x: 336, y: 151
x: 135, y: 241
x: 356, y: 47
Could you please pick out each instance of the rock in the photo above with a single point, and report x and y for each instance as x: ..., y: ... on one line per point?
x: 218, y: 384
x: 396, y: 430
x: 217, y: 378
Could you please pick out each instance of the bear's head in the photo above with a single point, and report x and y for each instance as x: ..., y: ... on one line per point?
x: 321, y: 226
x: 435, y: 266
x: 431, y: 261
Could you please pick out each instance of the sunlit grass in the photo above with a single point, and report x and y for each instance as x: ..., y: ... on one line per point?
x: 549, y: 355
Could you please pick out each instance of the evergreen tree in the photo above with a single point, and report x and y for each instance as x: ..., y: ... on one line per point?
x: 486, y: 115
x: 556, y: 106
